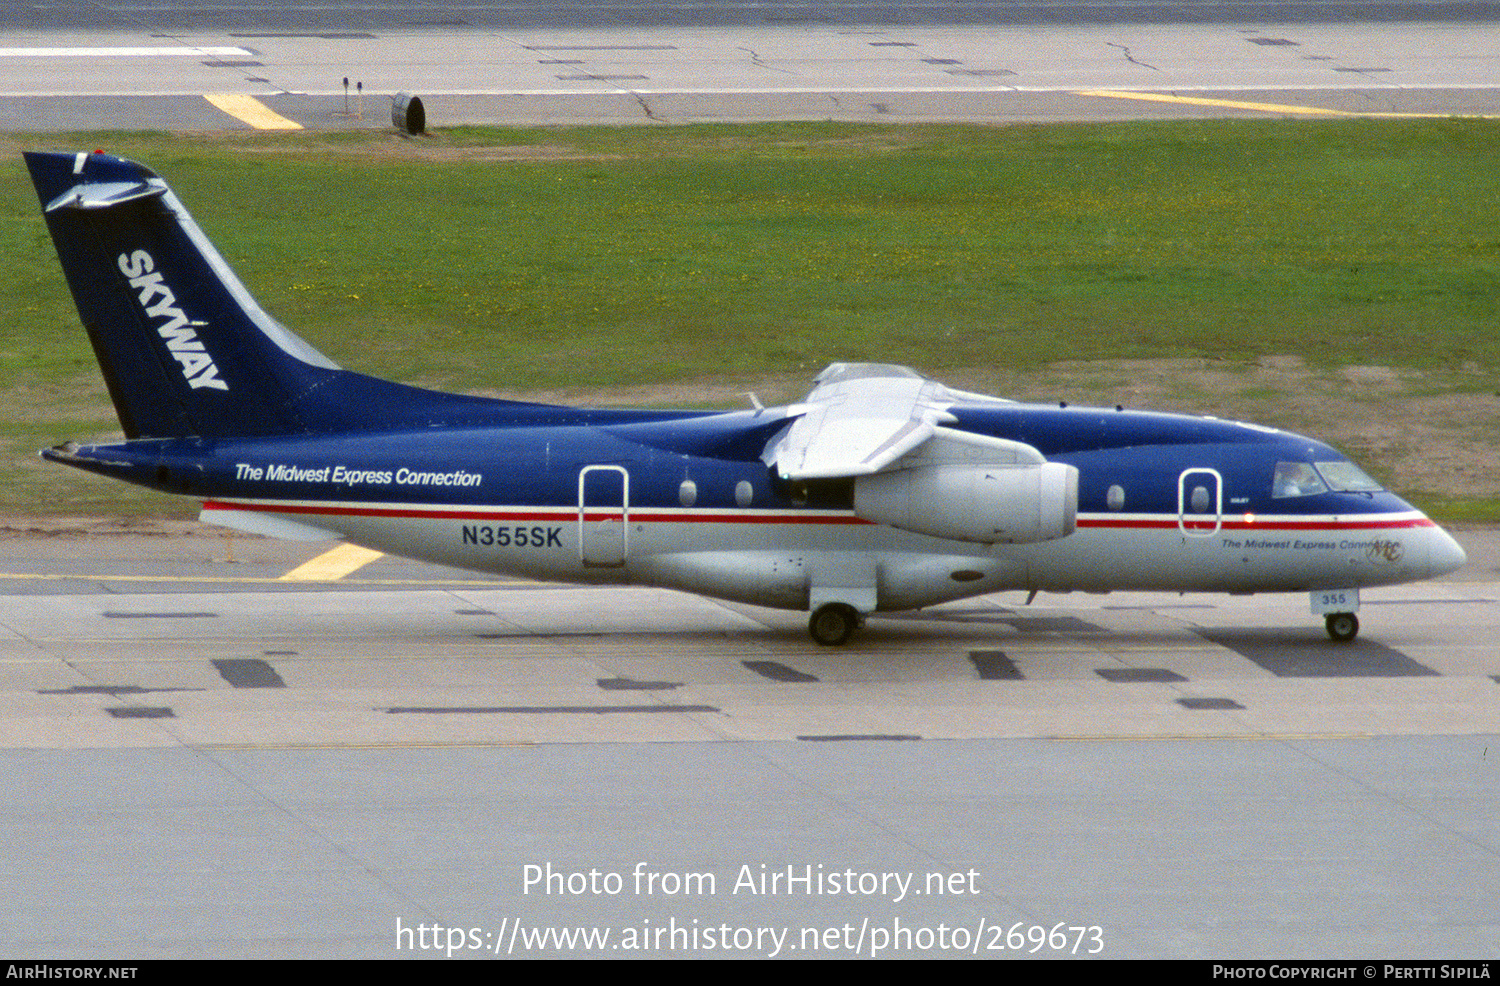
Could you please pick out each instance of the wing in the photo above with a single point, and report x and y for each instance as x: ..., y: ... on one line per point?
x: 861, y: 418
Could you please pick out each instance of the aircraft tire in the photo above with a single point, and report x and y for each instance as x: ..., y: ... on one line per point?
x: 1342, y: 627
x: 833, y: 624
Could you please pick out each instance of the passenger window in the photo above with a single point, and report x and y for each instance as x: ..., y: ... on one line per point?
x: 1296, y: 479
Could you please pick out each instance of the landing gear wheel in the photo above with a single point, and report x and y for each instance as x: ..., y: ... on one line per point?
x: 833, y: 624
x: 1342, y: 627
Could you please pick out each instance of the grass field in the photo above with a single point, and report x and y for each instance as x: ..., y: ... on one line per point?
x: 517, y: 261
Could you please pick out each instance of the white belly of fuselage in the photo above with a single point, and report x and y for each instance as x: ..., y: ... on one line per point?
x: 782, y: 558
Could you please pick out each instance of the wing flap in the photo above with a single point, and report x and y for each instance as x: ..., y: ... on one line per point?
x: 863, y: 418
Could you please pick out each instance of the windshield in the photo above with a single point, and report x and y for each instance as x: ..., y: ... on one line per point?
x: 1297, y: 479
x: 1346, y: 477
x: 1306, y: 479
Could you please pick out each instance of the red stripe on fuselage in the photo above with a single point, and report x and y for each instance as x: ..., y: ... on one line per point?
x: 647, y: 515
x: 555, y: 514
x: 1198, y: 524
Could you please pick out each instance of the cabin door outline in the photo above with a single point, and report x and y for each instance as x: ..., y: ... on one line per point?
x: 1200, y: 502
x: 603, y: 516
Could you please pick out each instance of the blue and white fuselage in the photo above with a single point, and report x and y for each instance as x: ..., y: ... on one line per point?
x: 881, y: 490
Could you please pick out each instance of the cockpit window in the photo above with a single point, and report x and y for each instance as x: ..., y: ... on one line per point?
x: 1346, y: 477
x: 1296, y: 479
x: 1305, y: 479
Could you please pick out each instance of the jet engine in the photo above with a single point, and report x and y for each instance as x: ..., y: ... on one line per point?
x: 1015, y: 504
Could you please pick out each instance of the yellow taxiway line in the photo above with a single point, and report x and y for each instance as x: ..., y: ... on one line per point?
x: 1161, y: 97
x: 1235, y: 104
x: 252, y: 580
x: 248, y: 109
x: 332, y: 565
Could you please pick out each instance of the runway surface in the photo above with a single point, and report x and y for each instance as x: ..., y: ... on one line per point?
x: 220, y: 747
x: 200, y: 640
x: 216, y: 79
x: 207, y: 758
x: 320, y: 15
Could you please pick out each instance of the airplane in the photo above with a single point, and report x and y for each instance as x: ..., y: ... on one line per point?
x: 881, y: 490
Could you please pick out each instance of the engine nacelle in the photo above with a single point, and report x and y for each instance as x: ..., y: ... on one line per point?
x: 986, y: 504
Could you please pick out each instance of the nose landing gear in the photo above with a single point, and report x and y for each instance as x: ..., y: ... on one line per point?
x: 1342, y: 627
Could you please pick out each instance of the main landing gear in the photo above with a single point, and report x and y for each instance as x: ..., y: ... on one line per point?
x: 833, y: 624
x: 1342, y: 627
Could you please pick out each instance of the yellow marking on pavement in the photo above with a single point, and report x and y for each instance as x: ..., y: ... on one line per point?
x: 248, y: 109
x: 1234, y: 104
x: 1219, y: 737
x: 1160, y: 97
x: 369, y: 745
x: 333, y: 565
x: 255, y: 580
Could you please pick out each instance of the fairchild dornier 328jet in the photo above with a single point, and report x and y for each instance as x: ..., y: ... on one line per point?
x: 881, y: 490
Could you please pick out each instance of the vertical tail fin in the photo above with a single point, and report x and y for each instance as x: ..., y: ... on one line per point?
x: 183, y: 347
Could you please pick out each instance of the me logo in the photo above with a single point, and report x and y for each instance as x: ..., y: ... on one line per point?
x: 182, y: 341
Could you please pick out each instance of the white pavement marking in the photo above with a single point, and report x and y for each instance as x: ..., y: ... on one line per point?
x: 172, y: 51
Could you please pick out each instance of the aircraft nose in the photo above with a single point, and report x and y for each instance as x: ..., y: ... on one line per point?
x: 1444, y: 554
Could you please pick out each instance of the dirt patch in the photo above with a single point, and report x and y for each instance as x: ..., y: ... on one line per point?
x: 1388, y: 419
x: 80, y: 527
x: 455, y: 147
x: 1385, y: 418
x: 406, y: 150
x: 717, y: 394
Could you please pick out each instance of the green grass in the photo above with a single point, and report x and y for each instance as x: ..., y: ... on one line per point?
x: 1479, y: 511
x: 598, y: 257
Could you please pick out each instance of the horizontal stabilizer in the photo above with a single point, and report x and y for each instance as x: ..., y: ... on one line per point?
x: 263, y: 524
x: 103, y: 195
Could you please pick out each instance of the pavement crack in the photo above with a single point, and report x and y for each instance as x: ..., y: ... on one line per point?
x: 1131, y: 58
x: 646, y: 108
x: 756, y: 60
